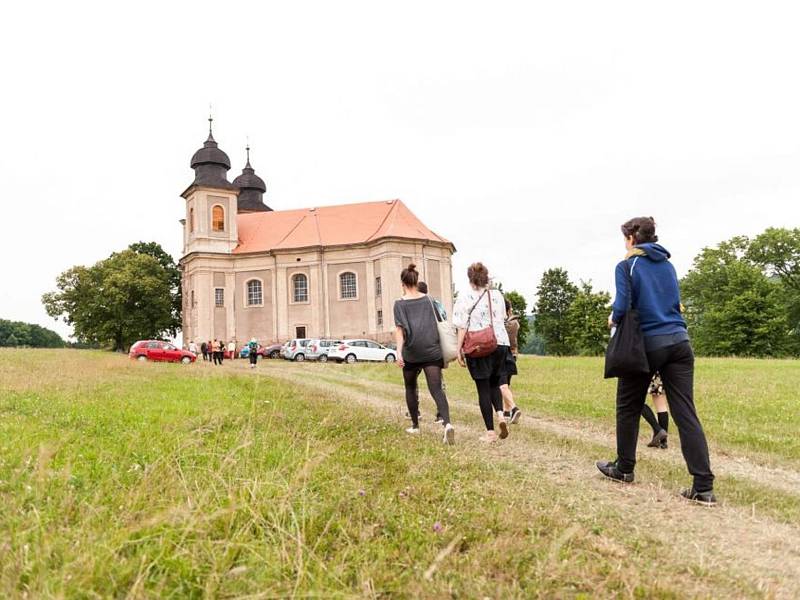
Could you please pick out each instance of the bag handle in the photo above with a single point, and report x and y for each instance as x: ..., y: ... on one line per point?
x: 469, y: 315
x: 435, y: 312
x: 629, y: 273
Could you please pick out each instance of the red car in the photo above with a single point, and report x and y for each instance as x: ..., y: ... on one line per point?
x: 160, y: 351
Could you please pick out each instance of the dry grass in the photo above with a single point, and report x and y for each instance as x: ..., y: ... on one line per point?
x: 127, y: 480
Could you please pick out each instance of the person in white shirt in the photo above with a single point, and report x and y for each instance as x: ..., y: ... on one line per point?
x: 232, y: 348
x: 193, y: 347
x: 479, y: 309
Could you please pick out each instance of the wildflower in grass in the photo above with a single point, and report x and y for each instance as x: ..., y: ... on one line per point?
x: 362, y: 493
x: 437, y: 527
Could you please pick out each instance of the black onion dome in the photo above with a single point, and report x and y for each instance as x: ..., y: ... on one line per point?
x: 251, y: 189
x: 248, y: 180
x: 211, y: 165
x: 210, y: 154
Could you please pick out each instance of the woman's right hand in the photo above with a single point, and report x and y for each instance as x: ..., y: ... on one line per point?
x: 461, y: 360
x: 400, y: 362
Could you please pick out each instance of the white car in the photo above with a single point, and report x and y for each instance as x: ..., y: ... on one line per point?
x: 351, y: 351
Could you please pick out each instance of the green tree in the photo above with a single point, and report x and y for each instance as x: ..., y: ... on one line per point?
x: 587, y: 321
x: 11, y: 341
x: 555, y: 294
x: 733, y: 308
x: 519, y: 307
x: 173, y: 271
x: 126, y: 297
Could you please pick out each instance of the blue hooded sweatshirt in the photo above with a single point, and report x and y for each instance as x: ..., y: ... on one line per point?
x: 655, y: 294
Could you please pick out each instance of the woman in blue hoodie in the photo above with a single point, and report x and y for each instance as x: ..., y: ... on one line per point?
x: 656, y: 296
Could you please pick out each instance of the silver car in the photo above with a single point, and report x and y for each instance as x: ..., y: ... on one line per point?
x: 318, y: 349
x: 296, y: 349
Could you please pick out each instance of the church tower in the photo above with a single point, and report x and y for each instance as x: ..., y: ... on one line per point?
x: 211, y: 202
x: 251, y: 189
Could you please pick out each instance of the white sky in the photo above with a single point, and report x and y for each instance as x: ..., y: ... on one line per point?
x: 524, y: 132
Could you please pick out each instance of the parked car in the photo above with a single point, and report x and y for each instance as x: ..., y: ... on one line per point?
x: 318, y: 349
x: 351, y: 351
x: 271, y: 351
x: 296, y: 349
x: 155, y: 350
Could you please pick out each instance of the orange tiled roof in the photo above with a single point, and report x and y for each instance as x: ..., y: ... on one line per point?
x: 330, y: 226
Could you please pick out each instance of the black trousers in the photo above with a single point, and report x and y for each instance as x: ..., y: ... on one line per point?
x: 253, y: 358
x: 490, y: 400
x: 433, y: 375
x: 676, y: 365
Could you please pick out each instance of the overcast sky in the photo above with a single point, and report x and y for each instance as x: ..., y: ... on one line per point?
x: 524, y: 132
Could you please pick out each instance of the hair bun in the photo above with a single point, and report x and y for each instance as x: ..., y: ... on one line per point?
x: 412, y: 267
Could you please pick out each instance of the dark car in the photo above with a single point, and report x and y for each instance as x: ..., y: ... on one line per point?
x: 155, y: 350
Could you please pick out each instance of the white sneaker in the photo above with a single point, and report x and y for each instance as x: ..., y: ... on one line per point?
x: 413, y: 430
x: 449, y: 435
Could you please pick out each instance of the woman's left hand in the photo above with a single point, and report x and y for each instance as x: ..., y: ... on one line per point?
x: 400, y: 362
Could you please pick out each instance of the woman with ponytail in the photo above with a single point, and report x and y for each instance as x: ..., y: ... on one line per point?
x: 418, y: 350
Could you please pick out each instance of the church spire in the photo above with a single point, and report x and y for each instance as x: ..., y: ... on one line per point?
x: 251, y: 188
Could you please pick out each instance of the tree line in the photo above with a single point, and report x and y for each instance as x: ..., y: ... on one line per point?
x: 741, y: 298
x: 15, y: 334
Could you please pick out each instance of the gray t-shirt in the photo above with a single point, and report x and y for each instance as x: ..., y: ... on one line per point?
x: 418, y: 320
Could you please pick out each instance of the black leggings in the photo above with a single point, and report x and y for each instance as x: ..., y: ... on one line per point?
x: 433, y: 375
x: 490, y: 400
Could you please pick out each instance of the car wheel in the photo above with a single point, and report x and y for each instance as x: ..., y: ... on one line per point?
x: 186, y: 360
x: 390, y: 358
x: 350, y: 358
x: 323, y: 358
x: 299, y: 357
x: 274, y: 354
x: 141, y: 358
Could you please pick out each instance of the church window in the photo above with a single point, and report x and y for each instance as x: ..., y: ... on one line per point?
x: 299, y: 288
x: 255, y: 295
x: 378, y: 286
x: 380, y: 318
x: 193, y: 298
x: 219, y: 297
x: 218, y: 218
x: 191, y: 220
x: 348, y: 288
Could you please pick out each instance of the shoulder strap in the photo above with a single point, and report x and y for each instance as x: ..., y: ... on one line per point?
x: 469, y: 315
x: 433, y: 307
x: 629, y: 273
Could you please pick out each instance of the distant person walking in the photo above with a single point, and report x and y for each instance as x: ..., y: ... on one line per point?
x: 656, y: 296
x: 442, y: 313
x: 232, y: 349
x: 659, y: 424
x: 192, y: 347
x: 510, y: 410
x: 252, y: 352
x: 480, y: 311
x: 204, y: 350
x: 215, y: 352
x: 418, y: 350
x: 221, y: 351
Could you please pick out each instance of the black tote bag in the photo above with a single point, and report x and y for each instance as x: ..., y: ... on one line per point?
x: 625, y: 354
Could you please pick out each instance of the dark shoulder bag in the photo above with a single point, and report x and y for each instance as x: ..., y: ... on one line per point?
x: 625, y: 354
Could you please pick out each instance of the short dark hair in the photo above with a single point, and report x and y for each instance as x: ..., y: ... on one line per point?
x: 422, y: 287
x: 508, y: 304
x: 643, y: 229
x: 478, y: 274
x: 410, y: 276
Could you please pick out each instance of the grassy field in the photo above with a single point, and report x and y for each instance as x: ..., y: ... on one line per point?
x: 120, y: 479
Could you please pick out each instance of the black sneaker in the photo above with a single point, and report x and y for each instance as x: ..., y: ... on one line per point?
x: 704, y: 498
x: 610, y: 470
x: 659, y: 440
x: 516, y: 413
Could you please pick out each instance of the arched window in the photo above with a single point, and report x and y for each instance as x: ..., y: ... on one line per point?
x: 299, y: 288
x: 255, y: 293
x: 348, y: 288
x: 218, y: 218
x: 191, y: 220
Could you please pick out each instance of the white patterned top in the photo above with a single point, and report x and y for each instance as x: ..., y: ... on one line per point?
x: 480, y: 316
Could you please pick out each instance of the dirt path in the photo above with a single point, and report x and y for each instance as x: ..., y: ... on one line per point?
x: 784, y: 480
x: 758, y: 550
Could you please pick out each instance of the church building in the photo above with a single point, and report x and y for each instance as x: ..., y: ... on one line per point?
x: 328, y: 271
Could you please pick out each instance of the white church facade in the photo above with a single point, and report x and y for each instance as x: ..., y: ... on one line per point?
x: 332, y: 271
